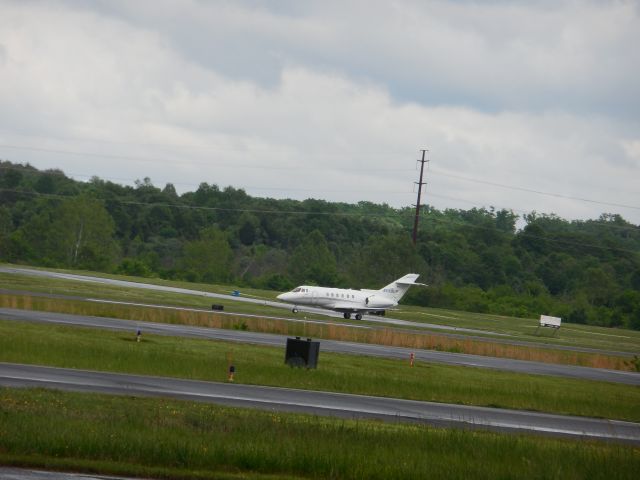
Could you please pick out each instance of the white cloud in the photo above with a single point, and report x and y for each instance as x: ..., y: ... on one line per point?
x: 125, y: 85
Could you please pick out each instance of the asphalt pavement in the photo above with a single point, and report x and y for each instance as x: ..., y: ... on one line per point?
x: 320, y: 403
x: 352, y: 348
x: 10, y: 473
x: 420, y: 327
x: 239, y: 298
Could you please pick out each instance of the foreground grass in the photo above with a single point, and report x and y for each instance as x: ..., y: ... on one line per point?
x: 175, y: 439
x: 105, y: 350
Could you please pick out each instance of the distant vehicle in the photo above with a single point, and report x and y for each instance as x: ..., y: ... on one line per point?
x: 347, y: 301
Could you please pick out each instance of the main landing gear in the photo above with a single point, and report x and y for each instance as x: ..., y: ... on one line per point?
x: 294, y: 309
x: 347, y: 316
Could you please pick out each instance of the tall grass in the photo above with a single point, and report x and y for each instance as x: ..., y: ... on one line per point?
x: 331, y: 331
x: 173, y: 439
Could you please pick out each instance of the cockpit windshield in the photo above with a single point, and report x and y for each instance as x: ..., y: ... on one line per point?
x: 298, y: 289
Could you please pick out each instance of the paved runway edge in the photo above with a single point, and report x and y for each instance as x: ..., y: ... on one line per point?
x: 319, y: 403
x: 351, y: 348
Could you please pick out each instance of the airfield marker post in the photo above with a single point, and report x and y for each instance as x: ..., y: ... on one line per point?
x: 411, y: 358
x: 231, y: 369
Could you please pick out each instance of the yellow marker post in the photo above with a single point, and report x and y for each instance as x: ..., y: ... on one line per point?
x: 231, y: 369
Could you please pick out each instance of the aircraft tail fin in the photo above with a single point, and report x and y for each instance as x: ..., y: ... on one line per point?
x: 399, y: 287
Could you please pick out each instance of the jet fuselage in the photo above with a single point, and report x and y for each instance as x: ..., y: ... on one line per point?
x: 350, y: 301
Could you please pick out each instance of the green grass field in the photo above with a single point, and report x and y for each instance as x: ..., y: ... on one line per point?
x: 321, y: 330
x: 517, y: 328
x: 570, y: 334
x: 93, y: 349
x: 174, y: 439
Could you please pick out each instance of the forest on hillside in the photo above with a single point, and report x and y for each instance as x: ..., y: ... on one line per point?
x: 475, y: 260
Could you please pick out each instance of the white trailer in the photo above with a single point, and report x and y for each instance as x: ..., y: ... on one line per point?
x: 547, y: 321
x: 550, y: 322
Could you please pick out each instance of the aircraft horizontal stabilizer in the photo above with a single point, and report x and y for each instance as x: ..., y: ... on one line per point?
x: 407, y: 282
x: 409, y: 279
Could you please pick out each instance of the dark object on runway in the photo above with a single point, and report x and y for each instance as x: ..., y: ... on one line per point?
x: 302, y: 353
x: 217, y: 306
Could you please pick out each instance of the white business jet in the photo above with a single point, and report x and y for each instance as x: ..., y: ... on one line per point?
x: 349, y: 301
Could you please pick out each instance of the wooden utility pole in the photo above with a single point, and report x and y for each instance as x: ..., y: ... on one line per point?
x: 420, y: 184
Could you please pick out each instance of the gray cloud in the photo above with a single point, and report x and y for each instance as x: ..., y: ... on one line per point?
x: 331, y: 100
x: 576, y: 56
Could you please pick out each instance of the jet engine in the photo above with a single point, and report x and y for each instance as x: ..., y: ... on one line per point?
x: 374, y: 301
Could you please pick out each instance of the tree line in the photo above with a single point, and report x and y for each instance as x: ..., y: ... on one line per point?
x: 475, y: 260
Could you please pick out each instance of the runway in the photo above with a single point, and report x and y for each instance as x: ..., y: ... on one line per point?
x: 9, y: 473
x: 319, y: 403
x: 269, y: 303
x: 444, y: 330
x: 448, y: 358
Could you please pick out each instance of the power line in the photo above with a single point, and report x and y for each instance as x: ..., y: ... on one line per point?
x: 339, y: 214
x: 191, y: 162
x: 457, y: 199
x: 197, y: 207
x: 253, y: 187
x: 308, y: 168
x: 530, y: 190
x: 528, y: 235
x: 246, y: 187
x: 596, y: 223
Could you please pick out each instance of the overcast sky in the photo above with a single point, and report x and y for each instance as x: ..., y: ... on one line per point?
x: 334, y: 100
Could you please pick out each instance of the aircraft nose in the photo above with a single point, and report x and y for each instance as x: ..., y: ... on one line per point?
x: 285, y: 297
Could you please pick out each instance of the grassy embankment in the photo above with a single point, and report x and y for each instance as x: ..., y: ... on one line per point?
x: 174, y: 439
x: 207, y: 360
x: 326, y: 330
